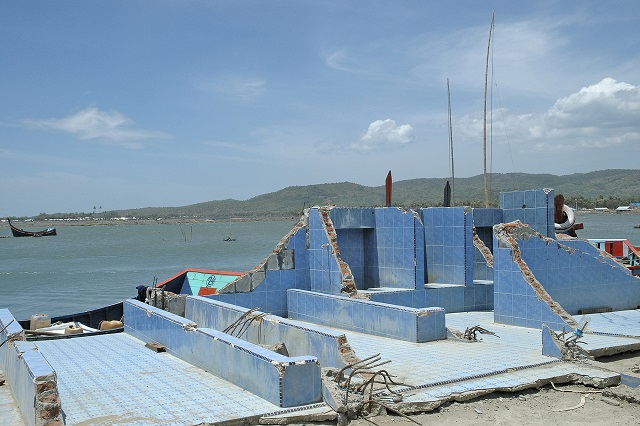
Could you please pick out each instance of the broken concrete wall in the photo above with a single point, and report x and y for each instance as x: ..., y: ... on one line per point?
x: 579, y: 277
x: 478, y: 297
x: 483, y: 221
x: 265, y: 285
x: 382, y: 246
x: 283, y: 381
x: 520, y: 297
x: 330, y: 347
x: 534, y: 207
x: 328, y: 272
x: 364, y: 316
x: 32, y: 380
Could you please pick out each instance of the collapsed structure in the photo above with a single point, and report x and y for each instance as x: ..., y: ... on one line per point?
x: 356, y: 311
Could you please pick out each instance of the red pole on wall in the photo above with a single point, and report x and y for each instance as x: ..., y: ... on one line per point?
x: 388, y: 189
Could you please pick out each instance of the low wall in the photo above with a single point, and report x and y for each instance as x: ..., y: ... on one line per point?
x: 325, y: 344
x: 283, y: 381
x: 31, y: 378
x: 380, y: 319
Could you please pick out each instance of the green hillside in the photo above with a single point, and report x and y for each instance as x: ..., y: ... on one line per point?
x: 605, y: 188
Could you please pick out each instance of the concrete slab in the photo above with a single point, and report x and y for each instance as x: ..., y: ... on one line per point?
x: 115, y: 379
x: 618, y: 323
x: 435, y: 372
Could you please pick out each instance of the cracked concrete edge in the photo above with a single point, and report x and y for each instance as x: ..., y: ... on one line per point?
x: 416, y: 407
x: 299, y: 417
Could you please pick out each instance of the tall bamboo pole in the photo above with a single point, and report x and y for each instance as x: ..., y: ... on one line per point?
x: 486, y: 77
x: 453, y: 175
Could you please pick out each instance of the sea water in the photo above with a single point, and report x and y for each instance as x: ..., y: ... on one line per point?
x: 85, y: 267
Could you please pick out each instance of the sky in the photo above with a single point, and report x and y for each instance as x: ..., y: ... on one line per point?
x: 119, y: 104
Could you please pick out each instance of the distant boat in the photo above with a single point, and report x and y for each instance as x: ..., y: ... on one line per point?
x: 228, y: 238
x: 17, y: 232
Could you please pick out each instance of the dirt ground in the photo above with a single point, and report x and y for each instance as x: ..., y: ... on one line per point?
x: 564, y: 405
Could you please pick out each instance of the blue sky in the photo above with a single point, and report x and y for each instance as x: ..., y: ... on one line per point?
x: 121, y: 104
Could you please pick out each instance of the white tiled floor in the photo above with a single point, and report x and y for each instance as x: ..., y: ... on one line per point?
x: 114, y: 379
x: 9, y: 412
x: 437, y: 369
x: 621, y: 323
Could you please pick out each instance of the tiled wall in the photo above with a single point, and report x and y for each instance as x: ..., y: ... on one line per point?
x: 323, y: 343
x: 451, y: 299
x: 353, y: 218
x: 483, y: 221
x: 32, y: 380
x: 577, y: 277
x: 351, y: 243
x: 284, y: 381
x: 415, y: 325
x: 515, y: 300
x: 270, y: 295
x: 533, y: 207
x: 324, y: 272
x: 549, y: 345
x: 397, y: 250
x: 448, y: 236
x: 382, y: 246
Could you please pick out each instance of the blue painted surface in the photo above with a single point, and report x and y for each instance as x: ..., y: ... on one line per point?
x: 23, y: 366
x: 549, y: 346
x: 266, y: 374
x: 379, y: 319
x: 300, y: 340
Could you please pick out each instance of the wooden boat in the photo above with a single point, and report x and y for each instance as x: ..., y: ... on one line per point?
x: 17, y: 232
x: 89, y: 319
x: 622, y: 250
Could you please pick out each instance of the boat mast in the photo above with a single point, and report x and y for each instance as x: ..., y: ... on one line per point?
x: 453, y: 178
x: 486, y: 76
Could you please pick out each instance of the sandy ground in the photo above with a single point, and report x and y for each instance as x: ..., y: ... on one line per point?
x: 564, y: 405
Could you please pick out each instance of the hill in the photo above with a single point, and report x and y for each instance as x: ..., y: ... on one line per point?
x: 605, y: 188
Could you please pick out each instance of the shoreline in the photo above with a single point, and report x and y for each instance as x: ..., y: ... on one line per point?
x: 37, y: 225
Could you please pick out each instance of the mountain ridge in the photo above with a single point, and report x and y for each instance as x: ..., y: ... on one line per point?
x: 588, y: 190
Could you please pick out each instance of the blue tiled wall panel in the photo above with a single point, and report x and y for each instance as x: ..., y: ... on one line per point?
x: 416, y: 325
x: 486, y: 218
x: 351, y: 243
x: 353, y: 218
x: 533, y: 207
x: 574, y: 275
x: 242, y: 363
x: 324, y: 274
x: 447, y: 238
x: 391, y: 252
x: 27, y: 369
x: 515, y: 301
x: 549, y: 346
x: 300, y: 340
x: 23, y: 367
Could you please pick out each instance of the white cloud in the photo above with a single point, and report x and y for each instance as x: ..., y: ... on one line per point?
x: 606, y: 104
x: 598, y: 116
x: 93, y: 124
x: 384, y: 132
